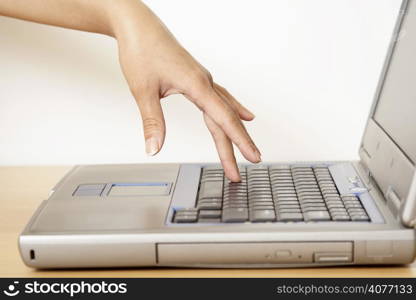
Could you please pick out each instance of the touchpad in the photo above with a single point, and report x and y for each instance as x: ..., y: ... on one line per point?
x: 140, y: 189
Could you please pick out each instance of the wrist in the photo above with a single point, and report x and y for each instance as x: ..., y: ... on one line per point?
x: 123, y: 15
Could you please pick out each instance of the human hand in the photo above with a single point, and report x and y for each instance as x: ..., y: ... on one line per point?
x: 156, y: 66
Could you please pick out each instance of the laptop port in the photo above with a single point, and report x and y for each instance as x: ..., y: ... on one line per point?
x: 32, y: 254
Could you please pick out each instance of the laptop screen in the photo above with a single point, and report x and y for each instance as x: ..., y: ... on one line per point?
x: 396, y: 108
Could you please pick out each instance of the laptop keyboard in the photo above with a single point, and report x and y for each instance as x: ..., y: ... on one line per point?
x: 275, y: 194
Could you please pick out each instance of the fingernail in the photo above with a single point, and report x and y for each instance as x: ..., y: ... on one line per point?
x: 259, y: 158
x: 259, y: 153
x: 237, y: 178
x: 256, y: 155
x: 152, y: 146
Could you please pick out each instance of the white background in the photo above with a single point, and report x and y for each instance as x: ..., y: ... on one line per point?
x: 308, y: 69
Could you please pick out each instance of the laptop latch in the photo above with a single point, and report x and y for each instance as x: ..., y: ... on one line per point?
x: 393, y: 200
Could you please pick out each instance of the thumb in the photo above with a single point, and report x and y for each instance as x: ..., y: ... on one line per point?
x: 153, y: 122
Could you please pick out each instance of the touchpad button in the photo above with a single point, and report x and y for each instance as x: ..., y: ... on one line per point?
x: 140, y: 189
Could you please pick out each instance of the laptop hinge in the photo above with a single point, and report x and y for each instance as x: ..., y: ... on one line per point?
x: 393, y: 200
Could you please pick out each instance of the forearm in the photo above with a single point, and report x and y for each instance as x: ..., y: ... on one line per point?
x: 99, y: 16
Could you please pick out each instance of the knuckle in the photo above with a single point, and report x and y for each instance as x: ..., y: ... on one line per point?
x: 213, y: 129
x: 222, y: 89
x: 230, y: 120
x: 152, y: 125
x: 200, y: 80
x: 217, y: 134
x: 228, y: 159
x: 209, y: 77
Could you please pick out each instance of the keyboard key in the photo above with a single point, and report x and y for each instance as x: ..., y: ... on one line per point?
x: 288, y: 203
x: 287, y: 197
x: 289, y: 216
x: 235, y: 215
x: 364, y: 215
x: 234, y: 206
x: 312, y: 202
x: 301, y: 169
x: 235, y: 195
x: 314, y: 208
x: 262, y: 201
x: 236, y: 185
x: 332, y: 198
x: 259, y: 191
x: 281, y: 206
x: 304, y: 181
x: 360, y: 218
x: 261, y: 207
x: 262, y: 215
x: 234, y: 201
x: 317, y: 216
x: 208, y: 214
x: 211, y: 189
x: 334, y: 205
x: 185, y: 218
x: 307, y: 190
x: 356, y: 211
x: 288, y: 210
x: 350, y: 202
x: 355, y: 205
x: 309, y: 194
x: 327, y: 185
x: 341, y: 218
x: 329, y: 194
x: 209, y: 205
x: 322, y: 177
x: 350, y: 197
x: 338, y: 210
x: 210, y: 220
x: 235, y: 189
x: 286, y: 189
x: 317, y: 196
x: 281, y: 178
x: 260, y: 198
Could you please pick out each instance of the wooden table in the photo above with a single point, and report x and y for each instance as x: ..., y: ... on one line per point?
x: 23, y: 188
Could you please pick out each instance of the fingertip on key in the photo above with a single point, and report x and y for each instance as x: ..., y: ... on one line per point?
x: 233, y: 176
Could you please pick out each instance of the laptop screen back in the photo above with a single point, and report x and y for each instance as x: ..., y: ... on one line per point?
x: 396, y: 108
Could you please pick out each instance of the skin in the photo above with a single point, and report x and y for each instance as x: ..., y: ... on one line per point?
x: 155, y: 66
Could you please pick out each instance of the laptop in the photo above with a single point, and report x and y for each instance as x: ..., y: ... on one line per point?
x: 279, y: 215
